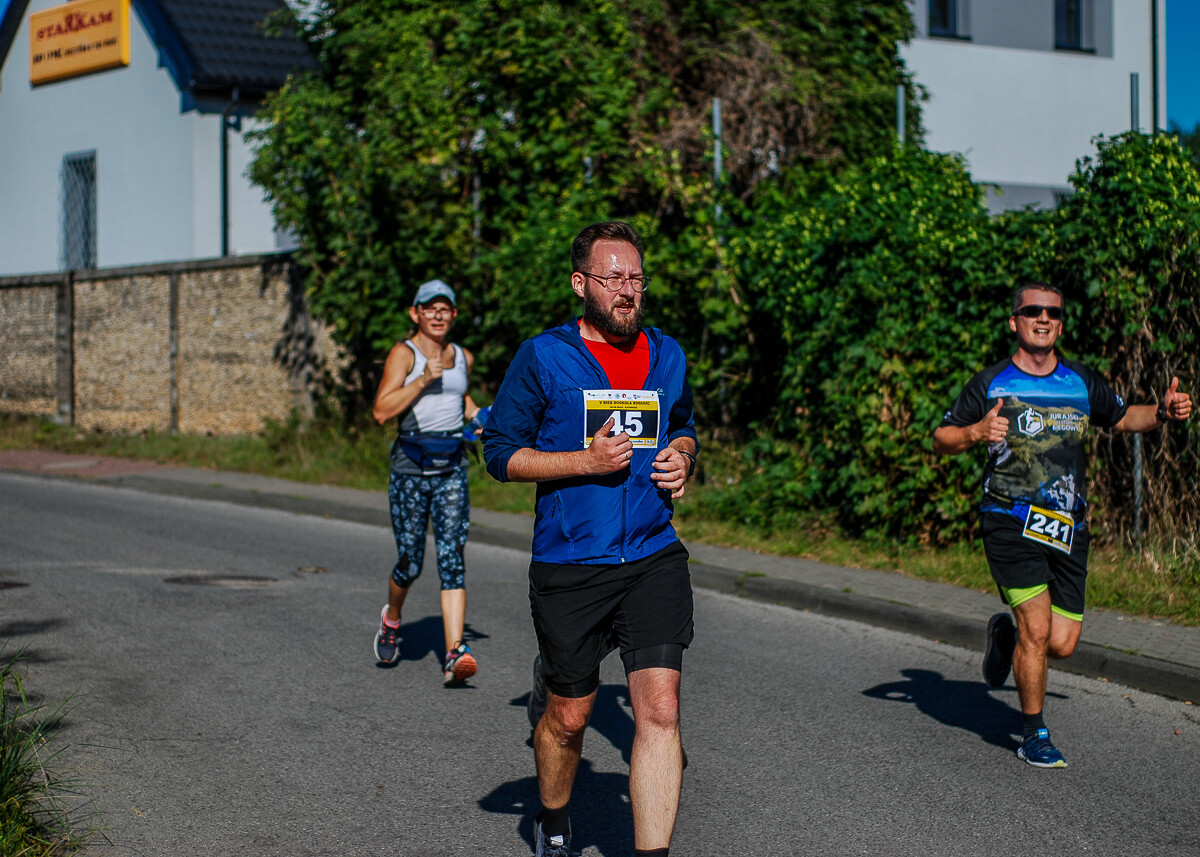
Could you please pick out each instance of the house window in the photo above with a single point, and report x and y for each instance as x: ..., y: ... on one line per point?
x: 1073, y: 25
x: 943, y: 17
x: 948, y: 19
x: 78, y: 211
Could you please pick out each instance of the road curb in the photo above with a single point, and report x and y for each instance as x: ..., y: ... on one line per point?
x: 1152, y: 675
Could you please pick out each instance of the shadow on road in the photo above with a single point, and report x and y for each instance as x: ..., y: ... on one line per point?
x: 600, y: 813
x: 967, y: 705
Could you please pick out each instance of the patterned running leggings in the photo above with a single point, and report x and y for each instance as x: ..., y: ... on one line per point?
x: 415, y: 500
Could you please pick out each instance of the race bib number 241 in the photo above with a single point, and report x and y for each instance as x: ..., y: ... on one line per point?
x: 634, y: 412
x: 1053, y: 529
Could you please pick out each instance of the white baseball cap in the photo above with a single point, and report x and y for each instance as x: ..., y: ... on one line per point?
x: 433, y: 289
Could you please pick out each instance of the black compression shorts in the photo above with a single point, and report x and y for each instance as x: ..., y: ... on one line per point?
x: 583, y: 612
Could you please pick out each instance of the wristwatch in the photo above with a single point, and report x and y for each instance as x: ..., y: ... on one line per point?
x: 1161, y: 413
x: 692, y: 459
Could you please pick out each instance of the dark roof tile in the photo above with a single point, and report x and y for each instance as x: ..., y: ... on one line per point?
x: 228, y: 47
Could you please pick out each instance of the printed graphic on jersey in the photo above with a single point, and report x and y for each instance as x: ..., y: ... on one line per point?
x: 1042, y: 461
x: 635, y: 412
x: 1030, y: 422
x: 1037, y: 462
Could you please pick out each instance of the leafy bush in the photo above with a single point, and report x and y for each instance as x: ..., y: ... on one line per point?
x: 890, y: 289
x: 1129, y: 253
x: 471, y: 140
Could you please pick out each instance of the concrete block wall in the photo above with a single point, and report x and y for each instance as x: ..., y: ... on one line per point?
x: 213, y: 347
x: 27, y: 364
x: 122, y: 354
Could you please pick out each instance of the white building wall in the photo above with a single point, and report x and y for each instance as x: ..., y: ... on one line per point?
x: 1022, y: 117
x: 251, y: 223
x: 206, y: 179
x: 157, y: 169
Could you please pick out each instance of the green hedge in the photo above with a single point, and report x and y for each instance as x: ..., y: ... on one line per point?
x: 831, y: 312
x: 890, y: 287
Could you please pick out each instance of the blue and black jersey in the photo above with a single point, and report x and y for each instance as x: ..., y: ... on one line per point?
x: 1043, y: 460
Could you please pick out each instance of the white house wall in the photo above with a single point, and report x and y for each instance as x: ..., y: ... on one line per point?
x: 251, y: 223
x: 157, y: 169
x: 1022, y: 117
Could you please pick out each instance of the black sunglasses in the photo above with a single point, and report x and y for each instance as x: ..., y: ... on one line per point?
x: 1035, y: 311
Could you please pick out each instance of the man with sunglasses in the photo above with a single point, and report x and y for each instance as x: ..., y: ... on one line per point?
x: 598, y: 413
x: 424, y: 387
x: 1033, y: 411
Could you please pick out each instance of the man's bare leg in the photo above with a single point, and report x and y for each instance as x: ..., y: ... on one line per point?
x: 656, y: 762
x: 1041, y: 634
x: 1029, y: 656
x: 557, y: 745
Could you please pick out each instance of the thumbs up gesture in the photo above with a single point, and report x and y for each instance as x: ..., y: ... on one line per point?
x: 1174, y: 405
x: 993, y: 428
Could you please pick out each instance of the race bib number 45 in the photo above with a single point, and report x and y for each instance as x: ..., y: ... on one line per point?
x: 1054, y: 529
x: 634, y: 412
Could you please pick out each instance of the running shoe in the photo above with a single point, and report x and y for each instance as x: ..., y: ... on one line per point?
x: 536, y: 706
x: 1037, y: 750
x: 997, y: 658
x: 387, y: 640
x: 551, y: 846
x: 460, y: 665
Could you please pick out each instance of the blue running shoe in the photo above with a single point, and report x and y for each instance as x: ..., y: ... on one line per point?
x: 997, y: 657
x: 1037, y: 750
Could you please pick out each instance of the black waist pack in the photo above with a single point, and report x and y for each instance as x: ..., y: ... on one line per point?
x: 433, y: 451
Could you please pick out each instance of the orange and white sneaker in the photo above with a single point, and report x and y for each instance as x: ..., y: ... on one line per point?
x: 460, y: 665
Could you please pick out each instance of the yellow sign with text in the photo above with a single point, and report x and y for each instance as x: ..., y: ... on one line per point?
x: 78, y: 38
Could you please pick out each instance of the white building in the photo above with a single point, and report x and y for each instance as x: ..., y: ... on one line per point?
x: 121, y: 131
x: 1021, y: 87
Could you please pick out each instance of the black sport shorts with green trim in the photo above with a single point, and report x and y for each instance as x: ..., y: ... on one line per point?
x: 581, y: 613
x: 1020, y: 563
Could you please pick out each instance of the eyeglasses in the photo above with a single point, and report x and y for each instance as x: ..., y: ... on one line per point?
x: 1036, y: 310
x: 616, y: 282
x: 436, y: 312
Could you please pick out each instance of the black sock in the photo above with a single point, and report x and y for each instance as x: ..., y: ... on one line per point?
x: 1033, y: 722
x: 557, y: 822
x: 652, y: 852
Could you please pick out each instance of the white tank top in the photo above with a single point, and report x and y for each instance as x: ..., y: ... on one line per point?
x: 440, y: 406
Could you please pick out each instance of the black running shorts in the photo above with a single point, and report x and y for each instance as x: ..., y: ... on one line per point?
x: 583, y: 612
x: 1020, y: 565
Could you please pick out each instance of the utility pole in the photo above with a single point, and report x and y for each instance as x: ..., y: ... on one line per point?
x: 717, y: 163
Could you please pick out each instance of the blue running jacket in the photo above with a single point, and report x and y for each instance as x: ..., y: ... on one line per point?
x: 551, y: 389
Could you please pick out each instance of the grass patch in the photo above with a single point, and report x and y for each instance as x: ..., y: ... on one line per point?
x: 1158, y: 581
x: 35, y: 819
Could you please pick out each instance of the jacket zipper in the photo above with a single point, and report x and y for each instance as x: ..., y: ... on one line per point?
x: 629, y: 473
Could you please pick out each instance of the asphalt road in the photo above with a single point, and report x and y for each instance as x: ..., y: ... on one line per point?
x: 226, y: 702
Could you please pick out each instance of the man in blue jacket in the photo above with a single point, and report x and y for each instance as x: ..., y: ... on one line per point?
x: 598, y: 413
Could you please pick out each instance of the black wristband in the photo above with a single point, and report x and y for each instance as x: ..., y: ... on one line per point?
x: 1161, y: 412
x: 691, y: 458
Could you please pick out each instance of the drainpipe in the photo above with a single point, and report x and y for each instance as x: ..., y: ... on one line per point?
x: 229, y: 120
x: 1154, y: 64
